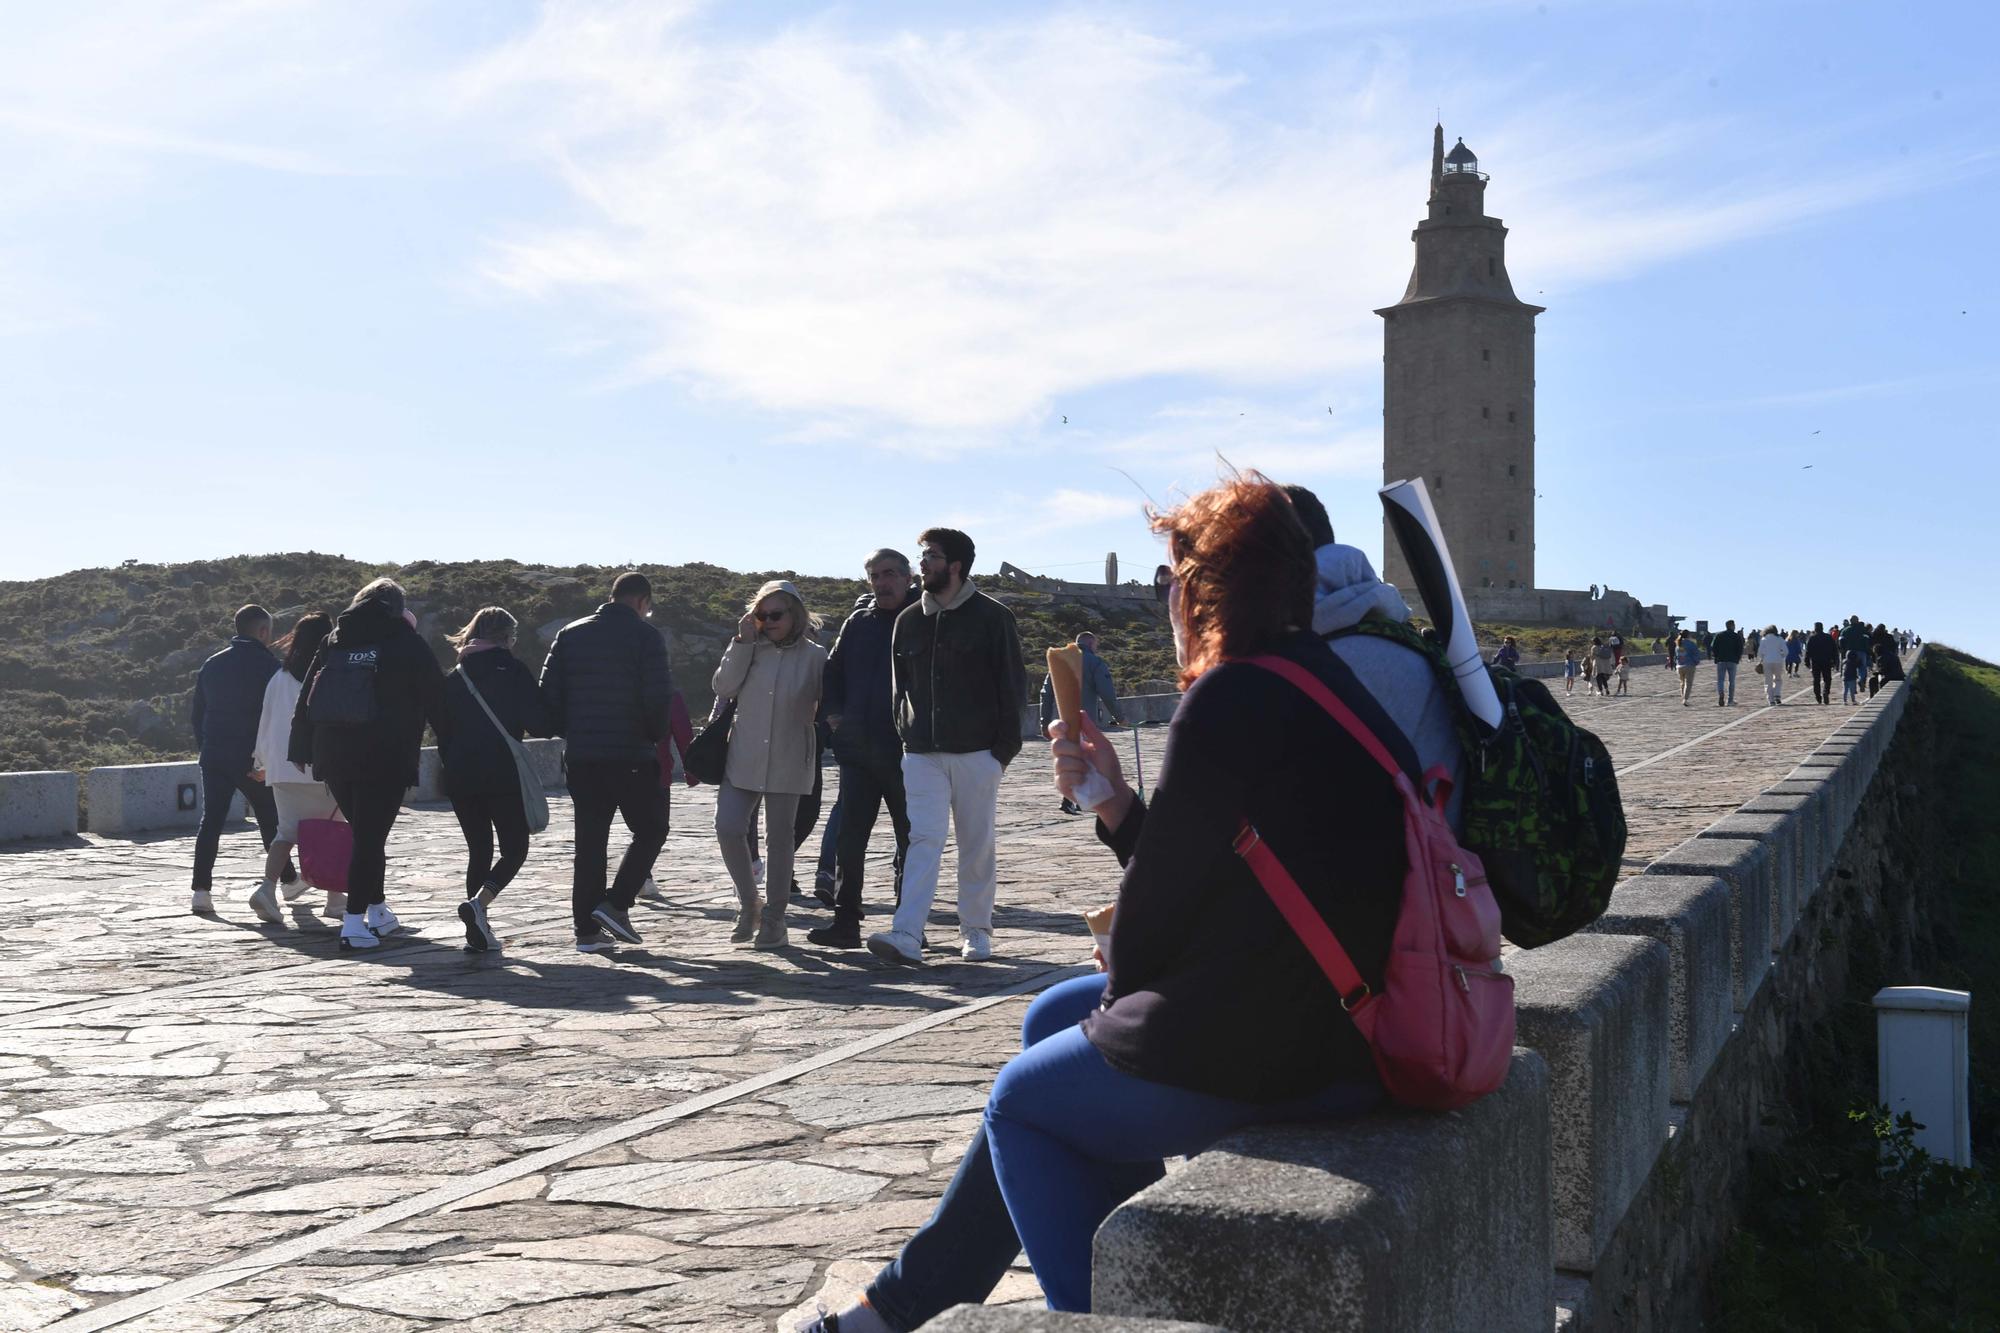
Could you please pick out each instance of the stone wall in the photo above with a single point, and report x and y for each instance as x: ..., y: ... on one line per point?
x: 1565, y: 606
x: 141, y: 798
x: 1599, y: 1184
x: 37, y: 805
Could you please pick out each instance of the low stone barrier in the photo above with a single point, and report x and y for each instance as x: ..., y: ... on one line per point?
x: 1663, y: 1034
x: 981, y: 1319
x: 142, y: 798
x: 139, y: 798
x: 1394, y: 1221
x: 37, y: 805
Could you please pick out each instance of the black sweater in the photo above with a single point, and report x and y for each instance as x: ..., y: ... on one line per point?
x: 1209, y: 989
x: 409, y: 691
x: 476, y: 759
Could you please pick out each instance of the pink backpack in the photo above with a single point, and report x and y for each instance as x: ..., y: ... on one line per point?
x: 1442, y: 1026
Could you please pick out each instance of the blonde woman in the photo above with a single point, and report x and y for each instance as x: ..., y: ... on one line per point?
x: 772, y: 670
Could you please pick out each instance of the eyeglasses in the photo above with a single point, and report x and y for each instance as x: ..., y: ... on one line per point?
x: 767, y: 616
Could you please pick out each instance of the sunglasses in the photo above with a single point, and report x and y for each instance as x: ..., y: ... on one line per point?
x: 768, y: 616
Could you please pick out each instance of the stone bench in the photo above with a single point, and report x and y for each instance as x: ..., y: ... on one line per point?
x: 1596, y: 1007
x: 1745, y: 867
x: 37, y: 805
x: 1398, y: 1220
x: 983, y: 1319
x: 1689, y: 914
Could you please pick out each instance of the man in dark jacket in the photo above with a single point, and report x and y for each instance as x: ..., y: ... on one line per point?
x: 1822, y: 653
x: 228, y: 700
x: 959, y: 688
x: 608, y: 687
x: 859, y: 710
x: 1727, y: 650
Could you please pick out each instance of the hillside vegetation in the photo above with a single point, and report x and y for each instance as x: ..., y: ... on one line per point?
x: 96, y: 666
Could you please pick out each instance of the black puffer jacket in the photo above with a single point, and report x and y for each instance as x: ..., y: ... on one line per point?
x: 476, y: 759
x: 409, y: 692
x: 958, y: 679
x: 607, y: 686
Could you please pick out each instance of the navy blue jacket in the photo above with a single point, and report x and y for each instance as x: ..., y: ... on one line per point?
x: 228, y: 700
x: 857, y: 687
x: 607, y: 686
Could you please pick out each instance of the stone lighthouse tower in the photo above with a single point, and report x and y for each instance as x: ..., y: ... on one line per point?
x: 1458, y: 386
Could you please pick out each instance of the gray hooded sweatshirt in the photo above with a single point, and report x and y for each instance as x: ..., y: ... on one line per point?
x: 1401, y: 682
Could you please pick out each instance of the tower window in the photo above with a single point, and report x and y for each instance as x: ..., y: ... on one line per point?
x: 1485, y: 354
x: 1510, y: 416
x: 1491, y: 266
x: 1439, y: 479
x: 1510, y: 469
x: 1485, y: 413
x: 1510, y: 534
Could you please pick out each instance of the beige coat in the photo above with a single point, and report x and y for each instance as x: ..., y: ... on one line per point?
x: 777, y: 696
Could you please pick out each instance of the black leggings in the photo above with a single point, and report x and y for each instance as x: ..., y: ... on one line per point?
x: 371, y: 809
x: 482, y: 814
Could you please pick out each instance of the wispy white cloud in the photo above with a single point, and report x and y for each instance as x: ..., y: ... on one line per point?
x: 947, y: 232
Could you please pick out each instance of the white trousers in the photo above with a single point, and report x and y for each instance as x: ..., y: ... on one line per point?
x: 964, y: 789
x: 1774, y: 683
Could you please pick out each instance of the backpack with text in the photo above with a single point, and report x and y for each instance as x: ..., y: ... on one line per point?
x: 343, y: 692
x: 1541, y: 804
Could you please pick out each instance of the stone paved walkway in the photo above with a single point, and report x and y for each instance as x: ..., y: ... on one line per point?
x: 221, y: 1124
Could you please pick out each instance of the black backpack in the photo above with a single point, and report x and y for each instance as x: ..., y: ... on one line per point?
x: 343, y: 693
x: 1541, y: 806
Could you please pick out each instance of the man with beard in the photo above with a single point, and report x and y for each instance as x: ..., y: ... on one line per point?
x: 958, y: 687
x: 860, y: 713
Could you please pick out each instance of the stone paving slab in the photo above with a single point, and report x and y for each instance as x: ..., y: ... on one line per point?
x: 178, y: 1095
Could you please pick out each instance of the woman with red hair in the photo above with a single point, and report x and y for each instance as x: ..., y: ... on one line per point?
x: 1210, y: 1015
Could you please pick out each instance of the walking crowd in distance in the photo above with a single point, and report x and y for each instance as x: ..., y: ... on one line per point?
x: 1866, y: 659
x: 919, y: 700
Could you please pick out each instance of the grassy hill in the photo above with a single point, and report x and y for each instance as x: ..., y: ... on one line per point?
x: 96, y: 666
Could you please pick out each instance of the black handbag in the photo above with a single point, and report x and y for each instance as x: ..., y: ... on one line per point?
x: 707, y: 757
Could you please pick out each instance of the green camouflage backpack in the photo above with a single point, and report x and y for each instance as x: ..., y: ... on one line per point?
x: 1540, y: 800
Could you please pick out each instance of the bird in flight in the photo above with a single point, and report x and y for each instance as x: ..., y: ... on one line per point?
x: 1815, y: 432
x: 1065, y: 421
x: 1807, y: 468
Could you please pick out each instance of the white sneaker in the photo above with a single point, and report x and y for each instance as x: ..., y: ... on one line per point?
x: 336, y: 905
x: 381, y: 920
x: 650, y: 889
x: 203, y: 905
x: 975, y: 946
x: 355, y: 934
x: 893, y: 946
x: 757, y: 873
x: 264, y: 902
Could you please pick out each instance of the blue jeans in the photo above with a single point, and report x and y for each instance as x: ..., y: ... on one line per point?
x: 959, y: 1256
x: 1725, y: 681
x: 1072, y: 1138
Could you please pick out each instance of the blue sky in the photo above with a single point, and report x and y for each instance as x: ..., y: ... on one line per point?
x: 771, y: 285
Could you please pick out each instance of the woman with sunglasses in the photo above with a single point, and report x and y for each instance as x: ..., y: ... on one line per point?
x: 772, y: 670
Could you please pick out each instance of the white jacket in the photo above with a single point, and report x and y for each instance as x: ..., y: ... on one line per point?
x: 274, y: 731
x: 776, y: 690
x: 1771, y: 651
